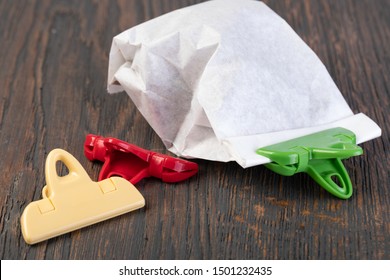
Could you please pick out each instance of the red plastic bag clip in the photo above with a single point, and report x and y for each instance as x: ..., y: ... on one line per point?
x: 134, y: 163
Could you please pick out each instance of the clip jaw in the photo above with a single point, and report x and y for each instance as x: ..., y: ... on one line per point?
x: 319, y: 155
x: 134, y: 163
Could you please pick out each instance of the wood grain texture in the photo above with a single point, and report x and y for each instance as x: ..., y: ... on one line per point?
x: 54, y: 58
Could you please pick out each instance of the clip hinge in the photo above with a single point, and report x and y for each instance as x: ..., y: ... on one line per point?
x: 107, y: 186
x: 45, y: 206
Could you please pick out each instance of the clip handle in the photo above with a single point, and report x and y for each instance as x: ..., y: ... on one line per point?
x: 326, y: 171
x: 53, y: 180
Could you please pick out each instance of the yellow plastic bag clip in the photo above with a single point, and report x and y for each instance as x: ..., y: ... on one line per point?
x: 74, y: 201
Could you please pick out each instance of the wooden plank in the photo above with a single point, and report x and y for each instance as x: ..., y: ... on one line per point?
x: 54, y: 59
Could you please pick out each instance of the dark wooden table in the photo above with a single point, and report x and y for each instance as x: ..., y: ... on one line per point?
x: 54, y: 60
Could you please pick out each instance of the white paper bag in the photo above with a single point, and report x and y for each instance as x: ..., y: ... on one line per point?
x: 220, y: 79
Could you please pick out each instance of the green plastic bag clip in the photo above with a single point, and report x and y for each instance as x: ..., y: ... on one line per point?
x: 319, y: 155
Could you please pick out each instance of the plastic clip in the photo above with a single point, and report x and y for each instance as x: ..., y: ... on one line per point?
x: 74, y: 201
x: 134, y: 163
x: 319, y: 155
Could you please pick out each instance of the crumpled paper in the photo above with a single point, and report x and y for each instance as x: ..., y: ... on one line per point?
x: 220, y: 79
